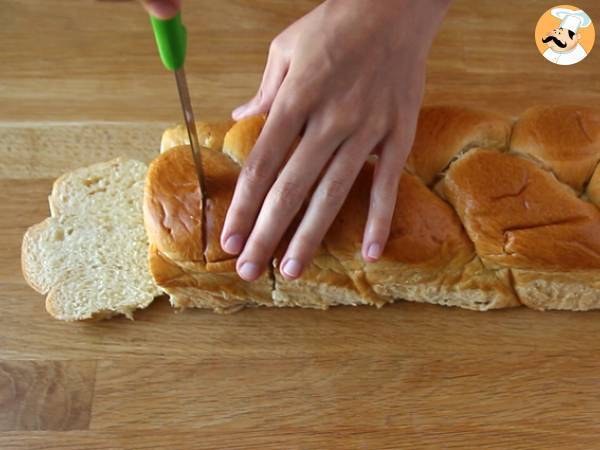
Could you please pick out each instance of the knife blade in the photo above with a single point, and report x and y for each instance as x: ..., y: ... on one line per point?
x: 190, y: 123
x: 171, y: 40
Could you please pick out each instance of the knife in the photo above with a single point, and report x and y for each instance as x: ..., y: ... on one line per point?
x: 171, y: 40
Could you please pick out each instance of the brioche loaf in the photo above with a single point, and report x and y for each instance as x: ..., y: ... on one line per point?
x: 491, y: 212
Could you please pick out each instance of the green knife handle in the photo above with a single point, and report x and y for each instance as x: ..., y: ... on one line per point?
x: 171, y: 40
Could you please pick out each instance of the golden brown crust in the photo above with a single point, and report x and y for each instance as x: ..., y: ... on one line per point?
x: 425, y: 230
x: 499, y: 214
x: 443, y: 132
x: 241, y: 137
x: 172, y: 208
x: 172, y: 205
x: 428, y: 258
x: 519, y: 216
x: 565, y: 139
x: 210, y: 135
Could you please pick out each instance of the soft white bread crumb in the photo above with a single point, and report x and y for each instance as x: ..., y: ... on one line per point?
x: 90, y: 256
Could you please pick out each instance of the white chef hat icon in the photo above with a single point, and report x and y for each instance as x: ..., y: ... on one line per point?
x: 571, y: 19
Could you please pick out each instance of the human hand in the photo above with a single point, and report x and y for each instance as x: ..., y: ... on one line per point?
x: 163, y: 9
x: 350, y: 76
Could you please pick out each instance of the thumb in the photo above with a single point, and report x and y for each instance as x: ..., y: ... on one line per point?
x: 273, y: 76
x: 163, y: 9
x: 249, y: 108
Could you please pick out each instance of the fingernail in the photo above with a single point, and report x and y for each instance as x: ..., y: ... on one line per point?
x: 374, y: 251
x: 233, y: 244
x: 239, y: 111
x: 249, y: 271
x: 161, y: 9
x: 292, y: 268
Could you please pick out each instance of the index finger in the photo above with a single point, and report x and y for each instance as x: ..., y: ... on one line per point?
x: 258, y: 173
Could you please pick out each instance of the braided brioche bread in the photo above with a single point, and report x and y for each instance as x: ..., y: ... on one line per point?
x: 491, y: 212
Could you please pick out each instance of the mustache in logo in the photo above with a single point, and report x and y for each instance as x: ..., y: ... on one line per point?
x: 556, y: 41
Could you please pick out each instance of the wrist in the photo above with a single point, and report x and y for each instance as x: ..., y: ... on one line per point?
x: 394, y: 26
x: 421, y: 20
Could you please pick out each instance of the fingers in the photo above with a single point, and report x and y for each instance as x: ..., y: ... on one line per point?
x: 326, y: 202
x: 273, y: 75
x: 163, y: 9
x: 286, y: 197
x: 388, y: 170
x: 260, y: 169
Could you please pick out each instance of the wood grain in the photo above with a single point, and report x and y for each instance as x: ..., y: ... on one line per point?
x: 405, y: 436
x: 482, y: 56
x: 80, y: 82
x: 368, y: 393
x: 46, y: 395
x: 31, y: 151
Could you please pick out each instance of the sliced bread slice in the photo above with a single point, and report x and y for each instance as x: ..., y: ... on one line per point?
x: 90, y: 256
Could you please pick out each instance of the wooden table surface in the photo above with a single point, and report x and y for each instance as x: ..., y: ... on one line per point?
x: 405, y: 376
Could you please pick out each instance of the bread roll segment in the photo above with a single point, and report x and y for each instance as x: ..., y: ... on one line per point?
x: 427, y: 254
x: 512, y: 219
x: 210, y: 135
x: 564, y: 139
x: 520, y: 217
x: 173, y: 219
x: 444, y: 132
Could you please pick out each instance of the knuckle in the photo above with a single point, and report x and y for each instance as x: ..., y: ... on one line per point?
x: 286, y: 196
x: 353, y: 117
x: 291, y: 106
x: 351, y: 106
x: 276, y: 45
x: 334, y: 192
x: 331, y: 126
x: 379, y: 124
x: 381, y: 210
x: 307, y: 98
x: 300, y: 94
x: 384, y: 194
x: 303, y: 80
x: 255, y: 170
x: 388, y: 186
x: 379, y: 201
